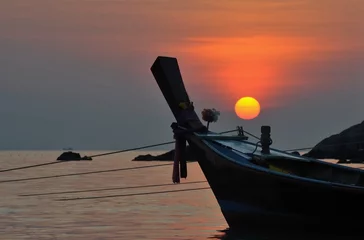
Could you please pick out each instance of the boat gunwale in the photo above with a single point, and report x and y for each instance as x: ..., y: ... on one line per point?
x: 284, y: 175
x: 283, y: 152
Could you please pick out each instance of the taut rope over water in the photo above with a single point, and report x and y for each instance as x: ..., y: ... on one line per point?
x: 30, y: 166
x: 133, y: 194
x: 326, y: 145
x: 83, y: 173
x: 107, y: 189
x: 131, y: 149
x: 99, y: 155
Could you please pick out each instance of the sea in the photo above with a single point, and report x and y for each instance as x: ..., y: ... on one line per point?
x: 115, y: 198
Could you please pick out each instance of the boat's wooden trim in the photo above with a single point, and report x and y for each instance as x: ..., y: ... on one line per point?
x: 329, y: 182
x: 278, y: 157
x: 221, y: 137
x: 261, y: 169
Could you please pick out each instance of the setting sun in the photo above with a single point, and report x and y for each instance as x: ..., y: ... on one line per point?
x: 247, y: 108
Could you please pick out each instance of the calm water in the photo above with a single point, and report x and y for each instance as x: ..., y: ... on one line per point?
x: 179, y: 215
x: 175, y: 215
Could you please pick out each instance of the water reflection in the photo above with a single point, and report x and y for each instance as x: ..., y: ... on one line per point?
x: 172, y: 216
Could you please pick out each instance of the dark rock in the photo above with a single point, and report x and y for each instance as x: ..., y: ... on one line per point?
x: 72, y: 156
x: 147, y: 157
x: 347, y: 145
x: 167, y: 156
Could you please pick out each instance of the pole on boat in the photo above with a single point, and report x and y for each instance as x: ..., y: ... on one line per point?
x: 265, y: 139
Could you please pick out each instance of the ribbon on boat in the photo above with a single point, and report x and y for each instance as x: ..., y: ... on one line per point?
x: 179, y: 163
x: 183, y: 161
x: 187, y: 122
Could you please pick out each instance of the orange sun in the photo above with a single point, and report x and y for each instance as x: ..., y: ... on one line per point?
x: 247, y: 108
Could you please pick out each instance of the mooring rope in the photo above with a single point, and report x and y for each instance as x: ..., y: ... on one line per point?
x: 83, y: 173
x: 144, y: 147
x: 29, y: 166
x: 147, y: 146
x: 252, y: 135
x: 131, y: 149
x: 230, y: 131
x: 108, y: 189
x: 99, y: 155
x: 132, y: 194
x: 325, y: 145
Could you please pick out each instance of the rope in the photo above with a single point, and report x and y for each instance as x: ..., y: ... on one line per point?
x: 107, y: 189
x: 131, y: 149
x: 250, y: 134
x: 325, y: 145
x: 30, y: 166
x: 256, y: 147
x: 94, y: 172
x: 133, y: 194
x: 138, y: 148
x: 92, y: 156
x: 230, y: 131
x: 99, y: 155
x: 147, y: 146
x: 83, y: 173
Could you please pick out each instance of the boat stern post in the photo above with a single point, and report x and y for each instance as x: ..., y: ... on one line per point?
x: 265, y: 139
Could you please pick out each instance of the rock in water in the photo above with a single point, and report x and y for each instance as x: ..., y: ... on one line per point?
x: 347, y: 145
x: 71, y: 156
x: 146, y: 157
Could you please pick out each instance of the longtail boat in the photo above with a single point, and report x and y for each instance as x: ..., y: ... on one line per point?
x: 256, y: 186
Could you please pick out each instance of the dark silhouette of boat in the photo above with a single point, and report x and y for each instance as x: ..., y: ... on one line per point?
x: 256, y: 186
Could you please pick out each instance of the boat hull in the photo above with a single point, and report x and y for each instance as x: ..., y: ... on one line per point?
x: 254, y: 199
x: 251, y: 197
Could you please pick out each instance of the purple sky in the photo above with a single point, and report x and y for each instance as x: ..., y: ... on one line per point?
x: 76, y: 72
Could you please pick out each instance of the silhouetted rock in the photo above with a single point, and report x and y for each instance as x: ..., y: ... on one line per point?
x: 347, y: 145
x: 146, y: 157
x: 71, y: 156
x: 167, y: 156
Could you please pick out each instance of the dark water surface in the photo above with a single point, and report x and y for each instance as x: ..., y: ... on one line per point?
x: 174, y: 215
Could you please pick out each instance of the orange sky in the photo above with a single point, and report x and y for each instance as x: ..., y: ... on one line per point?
x: 279, y: 52
x: 251, y: 66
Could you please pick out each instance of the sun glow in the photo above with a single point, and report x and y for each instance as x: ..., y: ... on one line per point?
x: 247, y: 108
x: 256, y: 66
